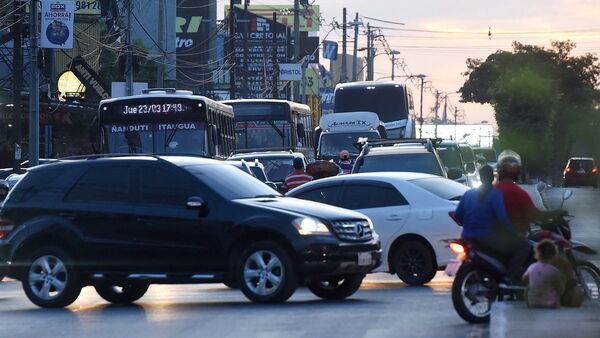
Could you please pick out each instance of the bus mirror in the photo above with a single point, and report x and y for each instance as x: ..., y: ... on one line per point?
x: 300, y: 130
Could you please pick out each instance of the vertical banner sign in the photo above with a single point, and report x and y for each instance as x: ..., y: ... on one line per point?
x: 57, y: 24
x: 330, y: 49
x: 193, y: 34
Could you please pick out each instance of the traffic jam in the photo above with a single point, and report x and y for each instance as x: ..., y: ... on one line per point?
x: 264, y: 196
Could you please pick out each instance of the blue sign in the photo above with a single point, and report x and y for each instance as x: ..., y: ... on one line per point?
x: 330, y: 49
x: 326, y: 95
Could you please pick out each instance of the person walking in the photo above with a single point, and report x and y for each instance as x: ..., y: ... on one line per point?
x: 297, y: 177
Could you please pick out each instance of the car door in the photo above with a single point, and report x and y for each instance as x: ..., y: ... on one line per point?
x: 175, y: 238
x: 100, y: 205
x: 381, y: 202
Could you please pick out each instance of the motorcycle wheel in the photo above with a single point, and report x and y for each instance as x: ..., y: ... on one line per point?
x: 589, y: 277
x: 473, y: 292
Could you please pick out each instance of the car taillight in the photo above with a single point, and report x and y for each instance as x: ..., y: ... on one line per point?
x: 595, y: 170
x: 6, y: 226
x: 568, y: 170
x: 452, y: 215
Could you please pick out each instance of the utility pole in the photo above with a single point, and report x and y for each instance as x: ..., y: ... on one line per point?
x: 34, y: 88
x: 231, y: 51
x: 437, y: 106
x: 129, y: 55
x: 344, y: 72
x: 355, y: 23
x: 394, y: 53
x: 422, y: 77
x: 160, y: 67
x: 17, y: 81
x: 455, y: 121
x: 297, y: 44
x: 275, y: 63
x: 369, y: 53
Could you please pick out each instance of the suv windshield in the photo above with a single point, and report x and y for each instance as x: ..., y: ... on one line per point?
x: 450, y: 156
x: 467, y: 153
x: 586, y: 165
x: 276, y: 168
x: 237, y: 185
x: 420, y: 163
x: 332, y: 144
x: 446, y: 189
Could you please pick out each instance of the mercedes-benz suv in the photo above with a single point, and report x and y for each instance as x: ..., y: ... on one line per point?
x: 117, y: 224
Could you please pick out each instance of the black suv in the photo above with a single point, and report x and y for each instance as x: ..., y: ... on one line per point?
x: 410, y: 155
x: 123, y: 223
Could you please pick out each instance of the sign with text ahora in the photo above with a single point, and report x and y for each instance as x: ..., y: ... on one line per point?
x: 290, y: 72
x: 57, y: 24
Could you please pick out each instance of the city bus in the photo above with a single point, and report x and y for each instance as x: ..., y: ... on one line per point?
x: 271, y: 125
x: 166, y: 121
x: 391, y: 101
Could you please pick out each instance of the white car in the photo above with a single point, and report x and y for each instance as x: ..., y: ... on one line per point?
x: 411, y: 212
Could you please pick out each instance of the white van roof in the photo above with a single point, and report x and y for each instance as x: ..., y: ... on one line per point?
x: 355, y: 121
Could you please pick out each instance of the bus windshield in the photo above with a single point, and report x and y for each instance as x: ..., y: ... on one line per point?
x: 387, y: 101
x: 262, y: 125
x: 332, y: 143
x: 158, y: 138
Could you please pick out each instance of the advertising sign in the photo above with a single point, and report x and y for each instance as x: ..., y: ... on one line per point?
x: 88, y: 7
x: 192, y: 36
x: 330, y: 49
x: 309, y: 16
x: 290, y: 72
x: 309, y: 46
x: 255, y: 41
x: 326, y: 95
x: 57, y: 24
x: 95, y: 88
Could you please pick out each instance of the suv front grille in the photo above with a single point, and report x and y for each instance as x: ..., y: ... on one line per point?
x: 356, y: 231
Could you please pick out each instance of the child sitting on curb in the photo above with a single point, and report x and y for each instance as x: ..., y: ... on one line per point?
x: 545, y: 283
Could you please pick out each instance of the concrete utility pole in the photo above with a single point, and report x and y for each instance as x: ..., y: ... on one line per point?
x: 344, y: 72
x: 297, y: 44
x: 160, y: 67
x: 355, y: 23
x: 369, y: 53
x: 129, y: 54
x: 455, y: 121
x: 394, y: 53
x: 275, y: 63
x: 34, y: 88
x: 437, y: 106
x: 422, y: 77
x: 231, y: 51
x: 17, y: 81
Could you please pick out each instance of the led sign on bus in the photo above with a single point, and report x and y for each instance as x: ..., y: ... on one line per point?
x: 159, y: 108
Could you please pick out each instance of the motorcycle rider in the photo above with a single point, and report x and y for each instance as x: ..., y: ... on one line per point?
x: 482, y: 214
x: 344, y: 162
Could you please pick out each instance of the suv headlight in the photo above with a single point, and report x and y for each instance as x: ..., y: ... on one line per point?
x: 310, y: 226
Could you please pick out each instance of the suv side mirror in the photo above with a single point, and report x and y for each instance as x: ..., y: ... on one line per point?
x: 454, y: 173
x: 195, y: 203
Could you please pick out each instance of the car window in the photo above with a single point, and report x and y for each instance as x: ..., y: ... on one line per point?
x: 444, y: 188
x: 586, y: 165
x: 172, y: 189
x: 327, y: 195
x: 467, y: 154
x: 367, y: 196
x: 108, y: 184
x: 450, y: 156
x: 421, y: 163
x: 259, y: 173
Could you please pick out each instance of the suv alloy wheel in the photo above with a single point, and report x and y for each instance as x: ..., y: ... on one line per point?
x: 266, y: 273
x: 50, y: 280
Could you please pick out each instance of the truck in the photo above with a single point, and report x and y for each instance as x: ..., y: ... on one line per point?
x: 341, y: 131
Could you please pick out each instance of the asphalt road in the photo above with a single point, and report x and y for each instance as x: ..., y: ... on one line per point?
x: 383, y: 307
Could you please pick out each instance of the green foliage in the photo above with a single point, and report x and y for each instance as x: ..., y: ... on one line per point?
x: 544, y: 99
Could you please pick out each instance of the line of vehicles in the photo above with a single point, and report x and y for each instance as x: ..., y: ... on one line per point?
x: 185, y: 190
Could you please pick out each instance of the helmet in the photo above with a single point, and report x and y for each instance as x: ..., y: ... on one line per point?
x: 509, y: 165
x: 298, y: 163
x: 344, y: 155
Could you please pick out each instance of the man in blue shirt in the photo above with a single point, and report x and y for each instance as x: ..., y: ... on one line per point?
x: 485, y: 222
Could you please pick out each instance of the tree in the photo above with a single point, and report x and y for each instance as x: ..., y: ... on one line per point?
x: 545, y: 101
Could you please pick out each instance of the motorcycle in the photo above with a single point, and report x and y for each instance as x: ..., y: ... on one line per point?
x: 478, y: 273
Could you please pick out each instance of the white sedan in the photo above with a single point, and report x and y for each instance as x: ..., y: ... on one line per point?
x: 411, y: 212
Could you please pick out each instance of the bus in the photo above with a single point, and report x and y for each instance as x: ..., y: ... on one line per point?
x: 270, y: 125
x: 166, y: 121
x: 391, y: 101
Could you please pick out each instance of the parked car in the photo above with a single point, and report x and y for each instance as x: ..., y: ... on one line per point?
x: 411, y: 212
x: 580, y: 171
x: 400, y: 155
x: 110, y: 223
x: 277, y: 164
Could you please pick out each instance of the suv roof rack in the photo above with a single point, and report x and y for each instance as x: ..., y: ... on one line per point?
x: 99, y: 156
x: 429, y: 143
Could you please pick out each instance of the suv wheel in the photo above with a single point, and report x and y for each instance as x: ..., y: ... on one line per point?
x: 124, y: 293
x: 338, y: 288
x: 414, y: 262
x: 50, y: 280
x: 266, y: 273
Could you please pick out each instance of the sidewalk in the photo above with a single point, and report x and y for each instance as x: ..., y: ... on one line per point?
x: 514, y: 319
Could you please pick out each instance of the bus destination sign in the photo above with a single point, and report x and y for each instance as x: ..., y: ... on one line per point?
x: 158, y: 108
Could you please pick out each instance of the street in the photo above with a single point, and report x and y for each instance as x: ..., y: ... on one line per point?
x: 383, y: 307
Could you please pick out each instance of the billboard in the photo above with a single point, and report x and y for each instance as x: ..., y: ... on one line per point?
x: 309, y: 16
x: 255, y: 41
x: 192, y: 38
x: 57, y: 24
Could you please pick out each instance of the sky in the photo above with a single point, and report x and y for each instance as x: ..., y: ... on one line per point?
x: 452, y: 31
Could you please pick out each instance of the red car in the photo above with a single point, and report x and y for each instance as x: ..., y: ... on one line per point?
x: 581, y: 171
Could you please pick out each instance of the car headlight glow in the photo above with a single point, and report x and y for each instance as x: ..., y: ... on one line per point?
x: 310, y: 226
